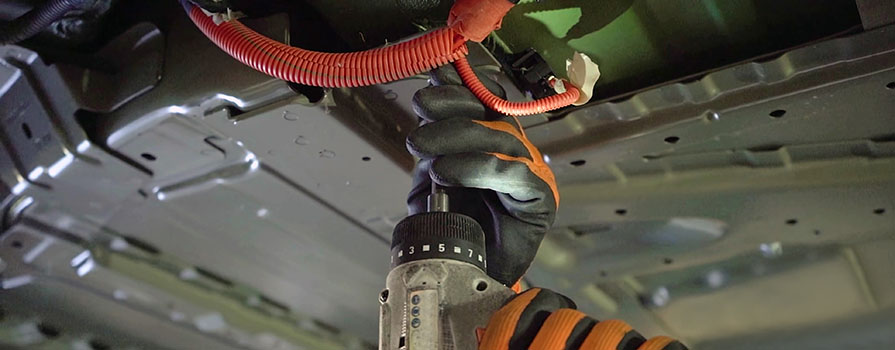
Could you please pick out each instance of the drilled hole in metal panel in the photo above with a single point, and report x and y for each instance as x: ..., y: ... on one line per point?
x: 579, y: 162
x: 672, y: 139
x: 792, y: 222
x: 879, y: 211
x: 366, y: 159
x: 771, y: 147
x: 142, y: 245
x: 48, y: 331
x: 326, y: 327
x: 214, y: 277
x: 817, y: 232
x: 884, y: 138
x: 891, y: 86
x: 621, y: 212
x: 98, y: 345
x: 148, y: 156
x: 27, y: 130
x: 583, y: 230
x: 778, y: 113
x: 273, y: 303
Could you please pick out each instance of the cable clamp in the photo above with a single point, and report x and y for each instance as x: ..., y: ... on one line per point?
x: 583, y: 73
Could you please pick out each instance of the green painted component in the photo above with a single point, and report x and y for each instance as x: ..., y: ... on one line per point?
x: 640, y: 43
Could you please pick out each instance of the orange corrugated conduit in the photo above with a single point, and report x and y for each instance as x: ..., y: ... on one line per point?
x: 470, y: 20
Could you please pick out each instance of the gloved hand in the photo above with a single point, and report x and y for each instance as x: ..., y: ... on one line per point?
x: 540, y: 319
x: 496, y: 176
x: 491, y: 172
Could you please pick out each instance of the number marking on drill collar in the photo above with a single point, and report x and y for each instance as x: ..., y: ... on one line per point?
x: 452, y: 249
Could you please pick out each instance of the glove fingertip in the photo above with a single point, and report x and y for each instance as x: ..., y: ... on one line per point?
x: 447, y: 75
x: 457, y: 170
x: 442, y: 180
x: 439, y: 138
x: 437, y: 103
x: 413, y: 145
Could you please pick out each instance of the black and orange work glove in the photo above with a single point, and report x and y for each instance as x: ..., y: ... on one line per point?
x: 540, y: 319
x: 491, y: 172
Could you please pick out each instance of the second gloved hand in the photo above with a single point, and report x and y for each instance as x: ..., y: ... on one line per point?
x: 540, y: 319
x: 491, y: 170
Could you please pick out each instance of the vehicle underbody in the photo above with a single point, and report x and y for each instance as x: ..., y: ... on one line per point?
x: 730, y: 184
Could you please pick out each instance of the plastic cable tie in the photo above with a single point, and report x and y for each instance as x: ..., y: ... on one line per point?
x: 219, y: 18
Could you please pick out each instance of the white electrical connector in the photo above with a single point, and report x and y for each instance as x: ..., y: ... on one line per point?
x: 583, y: 73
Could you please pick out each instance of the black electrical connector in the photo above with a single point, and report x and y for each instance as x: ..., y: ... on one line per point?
x: 531, y: 73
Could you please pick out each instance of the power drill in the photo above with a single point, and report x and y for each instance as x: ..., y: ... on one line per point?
x: 437, y: 293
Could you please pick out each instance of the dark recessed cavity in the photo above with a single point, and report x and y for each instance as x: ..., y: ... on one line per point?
x: 98, y: 345
x: 778, y: 113
x: 148, y: 156
x: 48, y: 331
x: 27, y: 131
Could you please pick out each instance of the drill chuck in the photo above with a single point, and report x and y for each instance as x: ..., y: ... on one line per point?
x: 439, y: 235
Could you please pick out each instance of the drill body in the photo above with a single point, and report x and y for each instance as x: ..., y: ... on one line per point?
x: 437, y: 294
